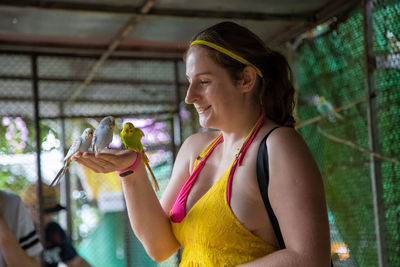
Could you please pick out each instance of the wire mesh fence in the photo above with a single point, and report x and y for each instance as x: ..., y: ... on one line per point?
x: 330, y: 72
x: 144, y: 92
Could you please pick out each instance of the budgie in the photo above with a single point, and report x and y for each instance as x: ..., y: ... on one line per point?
x: 131, y: 136
x: 326, y: 108
x: 81, y: 144
x: 103, y: 135
x: 393, y: 43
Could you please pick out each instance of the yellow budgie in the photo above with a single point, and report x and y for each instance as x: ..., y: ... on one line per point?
x: 131, y: 136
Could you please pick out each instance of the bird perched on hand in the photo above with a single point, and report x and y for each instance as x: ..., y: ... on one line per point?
x: 81, y: 144
x: 325, y: 108
x: 131, y: 136
x: 103, y: 135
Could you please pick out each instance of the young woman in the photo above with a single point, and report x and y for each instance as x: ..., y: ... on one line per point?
x: 212, y: 206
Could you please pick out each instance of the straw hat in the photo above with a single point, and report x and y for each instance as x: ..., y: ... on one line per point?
x: 49, y: 195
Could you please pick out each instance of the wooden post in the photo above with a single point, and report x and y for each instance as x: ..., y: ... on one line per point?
x: 375, y: 164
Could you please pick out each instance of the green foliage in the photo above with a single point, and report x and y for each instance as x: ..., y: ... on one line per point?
x: 3, y: 141
x: 11, y: 181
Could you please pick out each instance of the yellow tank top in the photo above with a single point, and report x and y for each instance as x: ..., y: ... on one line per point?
x: 210, y: 233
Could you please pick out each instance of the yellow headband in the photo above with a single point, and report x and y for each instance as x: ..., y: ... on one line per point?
x: 228, y: 53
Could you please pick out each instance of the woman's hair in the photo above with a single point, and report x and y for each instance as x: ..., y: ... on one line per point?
x: 275, y: 90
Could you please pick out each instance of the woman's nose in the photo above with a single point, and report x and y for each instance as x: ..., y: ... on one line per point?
x: 191, y: 95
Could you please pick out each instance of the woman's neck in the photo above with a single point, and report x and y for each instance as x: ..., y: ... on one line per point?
x: 234, y: 137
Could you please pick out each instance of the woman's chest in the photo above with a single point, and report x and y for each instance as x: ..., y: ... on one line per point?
x: 219, y: 168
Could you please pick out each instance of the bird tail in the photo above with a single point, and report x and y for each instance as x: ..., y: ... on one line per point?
x: 59, y: 175
x: 145, y: 158
x: 153, y: 178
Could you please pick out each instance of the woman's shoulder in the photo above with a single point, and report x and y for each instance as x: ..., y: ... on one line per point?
x: 285, y: 144
x: 196, y: 143
x: 286, y: 138
x: 201, y: 140
x: 290, y: 156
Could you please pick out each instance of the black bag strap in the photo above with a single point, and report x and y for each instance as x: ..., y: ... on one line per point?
x: 263, y: 181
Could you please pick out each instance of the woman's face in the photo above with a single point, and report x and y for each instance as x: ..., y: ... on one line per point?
x: 211, y: 90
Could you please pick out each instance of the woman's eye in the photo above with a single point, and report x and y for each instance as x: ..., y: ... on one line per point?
x: 204, y: 82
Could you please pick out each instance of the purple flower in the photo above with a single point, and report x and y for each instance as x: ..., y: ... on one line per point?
x: 6, y: 121
x: 16, y: 134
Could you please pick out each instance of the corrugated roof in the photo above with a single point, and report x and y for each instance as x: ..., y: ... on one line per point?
x: 164, y: 30
x: 99, y: 57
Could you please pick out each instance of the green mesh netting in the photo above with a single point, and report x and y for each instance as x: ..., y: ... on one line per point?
x: 332, y: 66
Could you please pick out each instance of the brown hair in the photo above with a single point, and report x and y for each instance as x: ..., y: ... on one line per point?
x: 276, y: 91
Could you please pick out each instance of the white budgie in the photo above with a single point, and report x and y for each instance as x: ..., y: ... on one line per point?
x: 103, y: 135
x: 81, y: 144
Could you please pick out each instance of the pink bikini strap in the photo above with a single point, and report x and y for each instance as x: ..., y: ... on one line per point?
x: 178, y: 210
x: 241, y: 154
x: 200, y: 166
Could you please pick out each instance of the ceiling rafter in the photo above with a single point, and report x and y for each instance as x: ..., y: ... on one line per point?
x: 298, y: 24
x: 84, y: 101
x: 170, y: 12
x: 114, y: 44
x: 332, y: 9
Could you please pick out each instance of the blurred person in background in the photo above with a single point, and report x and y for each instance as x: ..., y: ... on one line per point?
x: 19, y: 242
x: 57, y: 247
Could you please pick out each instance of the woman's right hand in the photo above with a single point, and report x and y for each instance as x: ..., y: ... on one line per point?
x: 106, y: 161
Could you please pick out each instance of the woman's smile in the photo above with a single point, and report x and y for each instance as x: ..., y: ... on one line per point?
x: 203, y: 109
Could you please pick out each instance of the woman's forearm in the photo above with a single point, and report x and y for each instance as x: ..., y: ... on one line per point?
x: 148, y: 219
x: 12, y: 252
x: 290, y: 258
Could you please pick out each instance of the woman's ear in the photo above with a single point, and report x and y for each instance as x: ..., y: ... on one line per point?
x: 249, y: 78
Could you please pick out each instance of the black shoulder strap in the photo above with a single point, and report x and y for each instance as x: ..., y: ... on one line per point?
x: 263, y: 181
